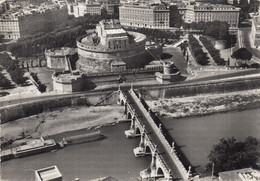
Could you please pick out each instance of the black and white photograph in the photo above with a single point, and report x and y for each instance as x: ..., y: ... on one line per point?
x: 130, y: 90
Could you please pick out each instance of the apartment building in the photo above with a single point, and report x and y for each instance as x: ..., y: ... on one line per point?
x: 210, y: 12
x: 21, y: 22
x: 156, y: 16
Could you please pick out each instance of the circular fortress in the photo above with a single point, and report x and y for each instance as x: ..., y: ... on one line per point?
x: 108, y: 45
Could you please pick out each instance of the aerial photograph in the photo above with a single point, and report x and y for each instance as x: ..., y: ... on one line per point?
x: 130, y: 90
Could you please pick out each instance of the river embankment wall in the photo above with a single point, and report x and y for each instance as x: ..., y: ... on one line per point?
x: 205, y: 87
x: 13, y: 112
x: 17, y: 111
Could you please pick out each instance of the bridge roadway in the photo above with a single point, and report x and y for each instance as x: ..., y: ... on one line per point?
x: 153, y: 135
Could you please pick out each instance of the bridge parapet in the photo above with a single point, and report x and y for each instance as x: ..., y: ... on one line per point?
x: 170, y: 149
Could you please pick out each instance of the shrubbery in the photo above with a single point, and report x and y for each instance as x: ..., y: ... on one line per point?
x: 4, y: 82
x: 212, y: 51
x: 13, y: 68
x: 230, y: 154
x: 200, y: 57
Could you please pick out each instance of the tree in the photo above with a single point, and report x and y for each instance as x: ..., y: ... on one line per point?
x: 242, y: 54
x: 1, y: 38
x: 230, y: 154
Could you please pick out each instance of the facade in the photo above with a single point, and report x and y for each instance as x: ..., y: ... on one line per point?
x: 15, y: 24
x: 48, y: 174
x: 108, y: 42
x: 255, y: 31
x: 210, y: 12
x: 155, y: 16
x: 111, y: 6
x: 80, y: 9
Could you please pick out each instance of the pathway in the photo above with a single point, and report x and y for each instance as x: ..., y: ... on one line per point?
x: 162, y: 150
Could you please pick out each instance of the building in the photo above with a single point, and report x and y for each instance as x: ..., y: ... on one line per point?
x: 19, y: 23
x: 67, y: 81
x: 111, y: 6
x: 170, y: 73
x: 58, y: 58
x: 108, y: 42
x: 256, y: 31
x: 246, y: 174
x: 210, y: 12
x: 155, y: 16
x: 80, y: 9
x: 48, y: 174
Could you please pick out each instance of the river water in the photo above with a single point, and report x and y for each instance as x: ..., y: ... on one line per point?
x: 197, y: 135
x: 114, y: 155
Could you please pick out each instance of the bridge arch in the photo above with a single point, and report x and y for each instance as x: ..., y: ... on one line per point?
x: 159, y: 171
x: 137, y: 130
x: 122, y: 102
x: 129, y: 115
x: 148, y: 149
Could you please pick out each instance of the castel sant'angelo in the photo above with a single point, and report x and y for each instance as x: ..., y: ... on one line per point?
x: 109, y: 44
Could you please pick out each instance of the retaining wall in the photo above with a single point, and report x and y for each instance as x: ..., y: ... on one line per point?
x: 191, y: 89
x: 13, y: 112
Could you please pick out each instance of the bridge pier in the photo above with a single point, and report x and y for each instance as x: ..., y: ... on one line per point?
x: 154, y: 171
x: 140, y: 150
x: 134, y: 130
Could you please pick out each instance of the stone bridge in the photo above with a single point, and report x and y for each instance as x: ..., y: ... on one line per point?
x: 165, y: 164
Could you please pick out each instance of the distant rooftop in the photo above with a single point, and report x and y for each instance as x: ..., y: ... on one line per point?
x: 20, y: 10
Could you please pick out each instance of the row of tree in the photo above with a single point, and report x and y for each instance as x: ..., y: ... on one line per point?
x: 196, y: 49
x: 4, y: 82
x: 215, y: 54
x: 13, y: 68
x: 63, y: 35
x: 41, y: 87
x: 216, y: 29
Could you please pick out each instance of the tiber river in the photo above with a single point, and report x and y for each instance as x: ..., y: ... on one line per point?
x: 114, y: 155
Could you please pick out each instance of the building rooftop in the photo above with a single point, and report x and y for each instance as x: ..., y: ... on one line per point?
x: 215, y: 7
x: 115, y: 31
x: 246, y: 174
x: 60, y: 51
x: 48, y: 173
x: 20, y: 10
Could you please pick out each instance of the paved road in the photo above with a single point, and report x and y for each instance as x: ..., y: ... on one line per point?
x: 127, y: 86
x: 152, y: 133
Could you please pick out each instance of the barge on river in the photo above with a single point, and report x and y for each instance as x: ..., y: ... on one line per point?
x: 31, y: 147
x: 83, y: 138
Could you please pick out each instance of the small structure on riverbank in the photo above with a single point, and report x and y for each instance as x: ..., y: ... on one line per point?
x: 170, y: 73
x: 67, y: 82
x: 48, y: 174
